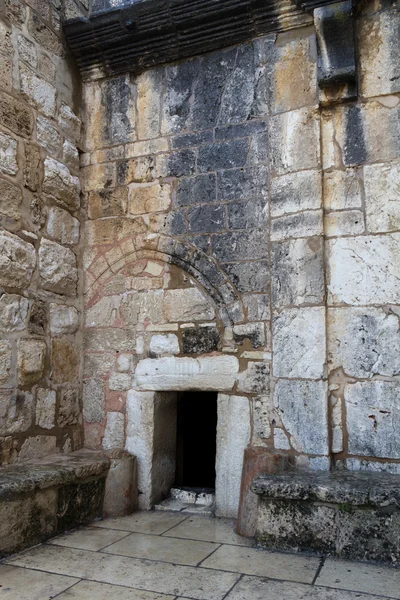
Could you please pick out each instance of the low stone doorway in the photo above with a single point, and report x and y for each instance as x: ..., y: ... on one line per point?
x: 196, y: 440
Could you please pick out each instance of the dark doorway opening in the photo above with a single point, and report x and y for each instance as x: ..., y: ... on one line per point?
x: 196, y: 445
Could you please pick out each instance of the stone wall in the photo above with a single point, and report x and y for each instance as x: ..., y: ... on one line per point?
x: 40, y: 219
x: 233, y: 209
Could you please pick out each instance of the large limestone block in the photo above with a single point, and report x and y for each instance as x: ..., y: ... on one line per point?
x: 364, y: 342
x: 93, y: 400
x: 45, y: 408
x: 187, y: 304
x: 8, y: 155
x: 17, y: 261
x: 233, y: 436
x: 38, y: 92
x: 299, y: 343
x: 5, y: 360
x: 303, y: 409
x: 382, y: 197
x: 62, y: 226
x: 164, y: 344
x: 16, y: 411
x: 63, y: 319
x: 114, y: 434
x: 373, y: 418
x: 57, y: 268
x: 13, y: 312
x: 10, y: 200
x: 61, y: 185
x: 364, y: 270
x: 31, y: 360
x: 217, y: 373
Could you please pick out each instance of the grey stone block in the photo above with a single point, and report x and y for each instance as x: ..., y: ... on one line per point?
x: 238, y: 184
x: 207, y: 218
x: 196, y: 190
x: 249, y: 276
x: 248, y: 214
x: 223, y: 155
x: 200, y: 341
x: 244, y: 245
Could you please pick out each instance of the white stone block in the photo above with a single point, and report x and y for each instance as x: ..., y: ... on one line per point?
x: 233, y: 436
x: 114, y: 434
x: 164, y: 344
x: 63, y: 319
x: 217, y: 373
x: 303, y: 409
x: 364, y: 270
x: 299, y: 340
x: 188, y: 304
x: 373, y: 418
x: 119, y: 382
x: 382, y: 197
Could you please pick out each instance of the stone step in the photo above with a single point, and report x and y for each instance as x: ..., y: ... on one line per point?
x: 193, y: 496
x: 191, y: 501
x: 352, y: 515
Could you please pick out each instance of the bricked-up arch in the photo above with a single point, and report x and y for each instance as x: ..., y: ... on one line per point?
x: 193, y: 261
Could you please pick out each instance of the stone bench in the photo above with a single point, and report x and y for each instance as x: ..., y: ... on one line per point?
x: 41, y: 498
x: 349, y: 514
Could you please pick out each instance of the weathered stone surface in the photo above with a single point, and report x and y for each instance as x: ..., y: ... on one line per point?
x: 254, y: 332
x: 149, y: 86
x: 116, y: 340
x: 302, y: 407
x: 62, y: 226
x: 69, y: 122
x: 196, y: 190
x: 32, y: 167
x: 13, y: 312
x: 104, y: 313
x: 164, y: 344
x: 8, y: 155
x: 27, y: 51
x: 57, y: 268
x: 45, y: 408
x: 119, y: 382
x: 347, y: 222
x: 366, y: 342
x: 154, y: 198
x: 69, y: 409
x: 63, y: 319
x: 342, y: 189
x: 70, y: 155
x: 233, y: 435
x: 293, y: 75
x: 298, y: 272
x: 373, y: 409
x: 121, y: 495
x: 48, y: 136
x: 63, y: 187
x: 299, y: 343
x: 225, y: 155
x: 382, y: 202
x: 15, y: 115
x: 16, y: 411
x: 171, y: 373
x: 98, y: 365
x: 236, y: 184
x: 200, y: 341
x: 114, y: 434
x: 305, y: 224
x: 38, y: 318
x: 93, y: 400
x: 379, y: 54
x: 296, y: 192
x: 244, y: 245
x: 5, y: 361
x: 207, y: 218
x: 108, y: 203
x: 44, y: 35
x: 255, y: 380
x: 258, y: 307
x: 248, y: 214
x: 65, y: 360
x: 187, y: 304
x: 294, y: 139
x: 10, y: 200
x: 364, y: 270
x: 31, y: 360
x: 38, y: 92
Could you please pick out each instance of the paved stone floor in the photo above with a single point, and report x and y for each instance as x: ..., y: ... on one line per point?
x: 170, y: 556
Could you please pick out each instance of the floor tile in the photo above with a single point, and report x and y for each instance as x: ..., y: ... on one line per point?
x: 252, y: 588
x: 152, y: 522
x: 253, y: 561
x: 89, y: 538
x: 200, y: 584
x: 90, y: 590
x: 23, y: 584
x: 209, y: 530
x: 183, y: 552
x: 360, y: 577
